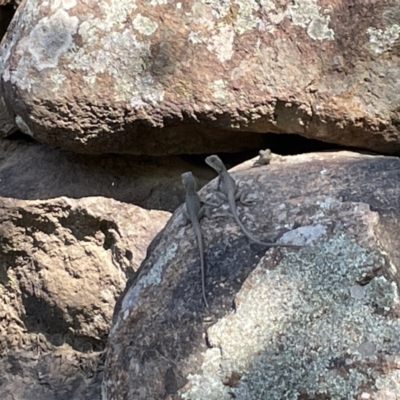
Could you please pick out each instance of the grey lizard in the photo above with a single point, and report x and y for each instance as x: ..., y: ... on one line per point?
x: 228, y: 191
x: 264, y: 157
x: 193, y: 213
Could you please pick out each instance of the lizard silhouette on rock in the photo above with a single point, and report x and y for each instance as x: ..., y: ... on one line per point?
x: 193, y: 213
x: 228, y: 191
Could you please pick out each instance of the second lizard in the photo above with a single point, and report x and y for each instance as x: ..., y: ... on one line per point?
x: 228, y: 191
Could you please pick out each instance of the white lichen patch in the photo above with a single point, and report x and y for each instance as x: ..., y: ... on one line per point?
x: 388, y: 386
x: 156, y: 2
x: 383, y: 293
x: 201, y: 15
x: 220, y: 9
x: 268, y: 5
x: 63, y: 4
x: 51, y: 38
x: 318, y: 29
x: 58, y: 79
x: 308, y: 15
x: 221, y: 43
x: 210, y: 380
x: 382, y: 40
x: 246, y: 18
x: 116, y: 12
x: 90, y: 80
x: 195, y: 37
x: 108, y: 49
x: 152, y: 278
x: 259, y: 15
x: 304, y: 235
x: 296, y: 324
x: 154, y: 275
x: 144, y: 25
x: 221, y: 92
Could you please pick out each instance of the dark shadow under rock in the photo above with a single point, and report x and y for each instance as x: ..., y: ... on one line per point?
x: 33, y: 171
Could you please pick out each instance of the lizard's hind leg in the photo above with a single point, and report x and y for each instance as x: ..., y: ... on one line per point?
x: 242, y: 197
x: 221, y: 199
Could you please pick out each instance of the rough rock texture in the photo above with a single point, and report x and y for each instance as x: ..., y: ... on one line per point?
x: 63, y: 263
x: 35, y: 171
x: 105, y: 78
x: 320, y: 322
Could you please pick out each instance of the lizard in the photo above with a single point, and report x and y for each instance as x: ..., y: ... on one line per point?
x: 264, y: 157
x: 228, y: 191
x: 193, y: 212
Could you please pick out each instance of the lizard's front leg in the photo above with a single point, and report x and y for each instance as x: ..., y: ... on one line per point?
x: 201, y: 213
x: 185, y: 217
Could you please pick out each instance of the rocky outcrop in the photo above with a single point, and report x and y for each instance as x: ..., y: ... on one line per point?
x: 320, y: 322
x: 107, y: 78
x: 63, y: 264
x: 35, y: 171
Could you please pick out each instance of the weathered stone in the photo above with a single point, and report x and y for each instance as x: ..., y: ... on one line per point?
x: 36, y: 171
x: 319, y: 322
x: 108, y: 78
x: 63, y: 264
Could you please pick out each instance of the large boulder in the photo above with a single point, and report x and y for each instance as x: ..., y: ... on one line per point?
x: 319, y: 322
x: 63, y: 264
x: 213, y: 75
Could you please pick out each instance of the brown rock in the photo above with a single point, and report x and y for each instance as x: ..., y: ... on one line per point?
x: 317, y: 322
x: 63, y: 264
x: 108, y: 78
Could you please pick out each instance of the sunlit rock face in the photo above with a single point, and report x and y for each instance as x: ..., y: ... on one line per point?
x: 164, y: 77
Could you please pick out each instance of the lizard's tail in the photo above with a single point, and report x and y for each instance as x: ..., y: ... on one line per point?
x: 203, y: 270
x: 203, y: 282
x: 255, y: 240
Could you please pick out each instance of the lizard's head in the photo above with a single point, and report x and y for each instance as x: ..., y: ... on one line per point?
x: 215, y: 162
x: 188, y: 179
